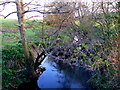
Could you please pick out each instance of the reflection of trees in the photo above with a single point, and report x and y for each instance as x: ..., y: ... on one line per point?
x: 68, y: 75
x: 63, y: 80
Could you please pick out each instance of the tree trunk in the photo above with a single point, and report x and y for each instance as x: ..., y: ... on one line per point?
x: 28, y: 57
x: 21, y: 22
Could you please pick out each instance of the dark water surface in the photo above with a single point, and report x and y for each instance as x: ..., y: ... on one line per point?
x: 62, y: 77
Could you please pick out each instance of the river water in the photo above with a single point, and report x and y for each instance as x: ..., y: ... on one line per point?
x: 57, y: 76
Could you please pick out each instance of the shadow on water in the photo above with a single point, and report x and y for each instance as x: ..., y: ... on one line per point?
x: 62, y: 76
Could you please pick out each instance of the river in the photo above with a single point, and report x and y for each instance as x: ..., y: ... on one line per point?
x: 57, y: 76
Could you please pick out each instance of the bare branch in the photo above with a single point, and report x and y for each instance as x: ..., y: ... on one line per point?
x: 6, y: 2
x: 26, y: 4
x: 3, y: 8
x: 38, y: 5
x: 46, y: 12
x: 9, y: 14
x: 32, y: 17
x: 2, y: 15
x: 59, y: 28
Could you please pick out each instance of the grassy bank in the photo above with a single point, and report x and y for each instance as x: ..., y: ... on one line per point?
x: 12, y: 54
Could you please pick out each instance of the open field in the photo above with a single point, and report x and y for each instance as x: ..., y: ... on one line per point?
x: 10, y: 32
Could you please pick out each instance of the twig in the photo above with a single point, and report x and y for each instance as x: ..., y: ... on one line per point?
x: 20, y: 70
x: 12, y: 86
x: 26, y: 4
x: 32, y: 17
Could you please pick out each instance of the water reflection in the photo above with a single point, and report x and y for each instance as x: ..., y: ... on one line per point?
x: 62, y: 76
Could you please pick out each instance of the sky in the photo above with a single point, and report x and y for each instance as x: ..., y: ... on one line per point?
x: 11, y: 7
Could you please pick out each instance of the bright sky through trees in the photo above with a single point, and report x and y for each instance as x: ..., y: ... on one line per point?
x: 11, y: 7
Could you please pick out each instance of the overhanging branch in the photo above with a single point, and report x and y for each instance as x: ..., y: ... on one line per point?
x: 8, y: 14
x: 46, y: 12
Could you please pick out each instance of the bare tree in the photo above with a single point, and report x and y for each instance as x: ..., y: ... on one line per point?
x: 21, y: 25
x: 21, y: 11
x: 56, y: 19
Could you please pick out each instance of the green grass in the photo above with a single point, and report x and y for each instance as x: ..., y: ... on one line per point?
x: 10, y: 37
x: 31, y: 34
x: 33, y: 31
x: 9, y: 23
x: 12, y: 23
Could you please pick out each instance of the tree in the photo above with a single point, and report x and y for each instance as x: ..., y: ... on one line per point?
x: 56, y: 19
x: 21, y: 25
x: 31, y: 65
